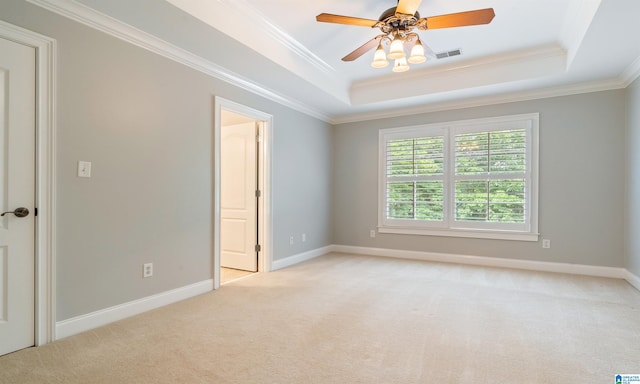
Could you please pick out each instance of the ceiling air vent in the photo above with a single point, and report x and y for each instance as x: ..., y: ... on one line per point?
x: 443, y: 55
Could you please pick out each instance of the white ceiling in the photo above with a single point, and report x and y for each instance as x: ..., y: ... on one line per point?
x: 532, y: 48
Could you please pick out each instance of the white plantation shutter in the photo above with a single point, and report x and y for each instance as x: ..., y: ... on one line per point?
x: 490, y: 176
x: 475, y: 178
x: 415, y: 178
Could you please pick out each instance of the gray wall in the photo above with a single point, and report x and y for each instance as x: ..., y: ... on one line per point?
x: 581, y: 182
x: 146, y: 123
x: 632, y: 218
x: 302, y: 173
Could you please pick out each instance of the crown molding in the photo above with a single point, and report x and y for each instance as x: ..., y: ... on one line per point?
x: 283, y: 38
x: 580, y: 17
x: 263, y: 36
x: 111, y: 26
x: 508, y: 58
x: 485, y: 71
x: 510, y: 97
x: 631, y: 73
x: 116, y: 28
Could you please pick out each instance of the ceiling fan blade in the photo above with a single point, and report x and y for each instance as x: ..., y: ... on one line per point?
x: 364, y: 48
x: 462, y: 19
x: 408, y: 7
x: 338, y: 19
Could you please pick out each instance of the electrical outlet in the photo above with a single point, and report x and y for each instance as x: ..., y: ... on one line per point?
x: 304, y: 237
x: 290, y: 240
x: 84, y: 169
x: 147, y: 269
x: 372, y: 233
x: 546, y: 243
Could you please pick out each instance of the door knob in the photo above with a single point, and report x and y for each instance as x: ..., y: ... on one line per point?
x: 19, y: 212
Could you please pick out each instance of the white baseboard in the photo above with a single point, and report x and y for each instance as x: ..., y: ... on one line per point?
x: 575, y: 269
x: 102, y: 317
x: 300, y: 257
x: 542, y: 266
x: 633, y: 279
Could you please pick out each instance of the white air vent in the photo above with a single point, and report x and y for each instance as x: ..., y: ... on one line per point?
x: 443, y: 55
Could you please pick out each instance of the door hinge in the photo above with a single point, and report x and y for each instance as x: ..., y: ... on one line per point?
x: 258, y: 248
x: 258, y: 193
x: 35, y: 211
x: 258, y: 139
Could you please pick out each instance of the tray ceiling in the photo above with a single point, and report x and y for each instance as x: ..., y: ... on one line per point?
x: 530, y: 49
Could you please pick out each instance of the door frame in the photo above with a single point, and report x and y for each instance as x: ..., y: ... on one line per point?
x: 265, y: 256
x: 45, y: 125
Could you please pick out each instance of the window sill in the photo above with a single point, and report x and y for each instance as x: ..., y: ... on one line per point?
x: 470, y: 233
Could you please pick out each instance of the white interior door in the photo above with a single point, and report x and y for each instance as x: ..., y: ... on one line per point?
x: 17, y: 190
x: 238, y: 216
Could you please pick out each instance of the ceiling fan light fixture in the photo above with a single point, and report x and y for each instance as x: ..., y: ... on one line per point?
x: 379, y: 58
x: 417, y: 53
x: 397, y: 25
x: 396, y: 51
x: 400, y: 65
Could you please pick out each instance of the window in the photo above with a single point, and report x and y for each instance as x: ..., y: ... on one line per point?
x: 473, y: 178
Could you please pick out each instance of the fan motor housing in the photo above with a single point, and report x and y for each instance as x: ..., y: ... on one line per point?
x: 390, y: 21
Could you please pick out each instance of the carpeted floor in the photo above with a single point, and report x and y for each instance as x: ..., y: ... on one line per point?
x: 228, y: 275
x: 354, y: 319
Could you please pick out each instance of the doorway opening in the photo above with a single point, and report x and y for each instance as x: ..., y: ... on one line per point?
x: 242, y: 230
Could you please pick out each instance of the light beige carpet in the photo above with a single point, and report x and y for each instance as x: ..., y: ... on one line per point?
x: 228, y: 275
x: 354, y: 319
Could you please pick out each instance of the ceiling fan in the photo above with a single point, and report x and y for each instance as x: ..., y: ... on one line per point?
x: 397, y: 25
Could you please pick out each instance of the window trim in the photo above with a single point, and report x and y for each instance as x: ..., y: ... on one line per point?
x: 448, y: 228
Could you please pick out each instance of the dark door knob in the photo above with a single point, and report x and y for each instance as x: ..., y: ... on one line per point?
x: 19, y: 212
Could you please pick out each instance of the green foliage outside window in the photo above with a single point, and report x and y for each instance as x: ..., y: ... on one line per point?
x: 498, y: 201
x: 420, y: 160
x: 416, y: 200
x: 490, y: 152
x: 490, y: 186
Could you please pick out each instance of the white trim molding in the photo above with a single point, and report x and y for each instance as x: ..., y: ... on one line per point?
x: 106, y: 316
x: 494, y: 99
x: 542, y: 266
x: 111, y: 26
x: 494, y: 262
x: 45, y: 48
x: 265, y: 37
x: 265, y: 221
x: 633, y: 279
x: 473, y: 73
x: 118, y: 29
x: 484, y: 261
x: 256, y: 24
x: 631, y: 73
x: 300, y: 257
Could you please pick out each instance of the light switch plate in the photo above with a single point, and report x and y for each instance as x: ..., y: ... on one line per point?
x: 84, y: 169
